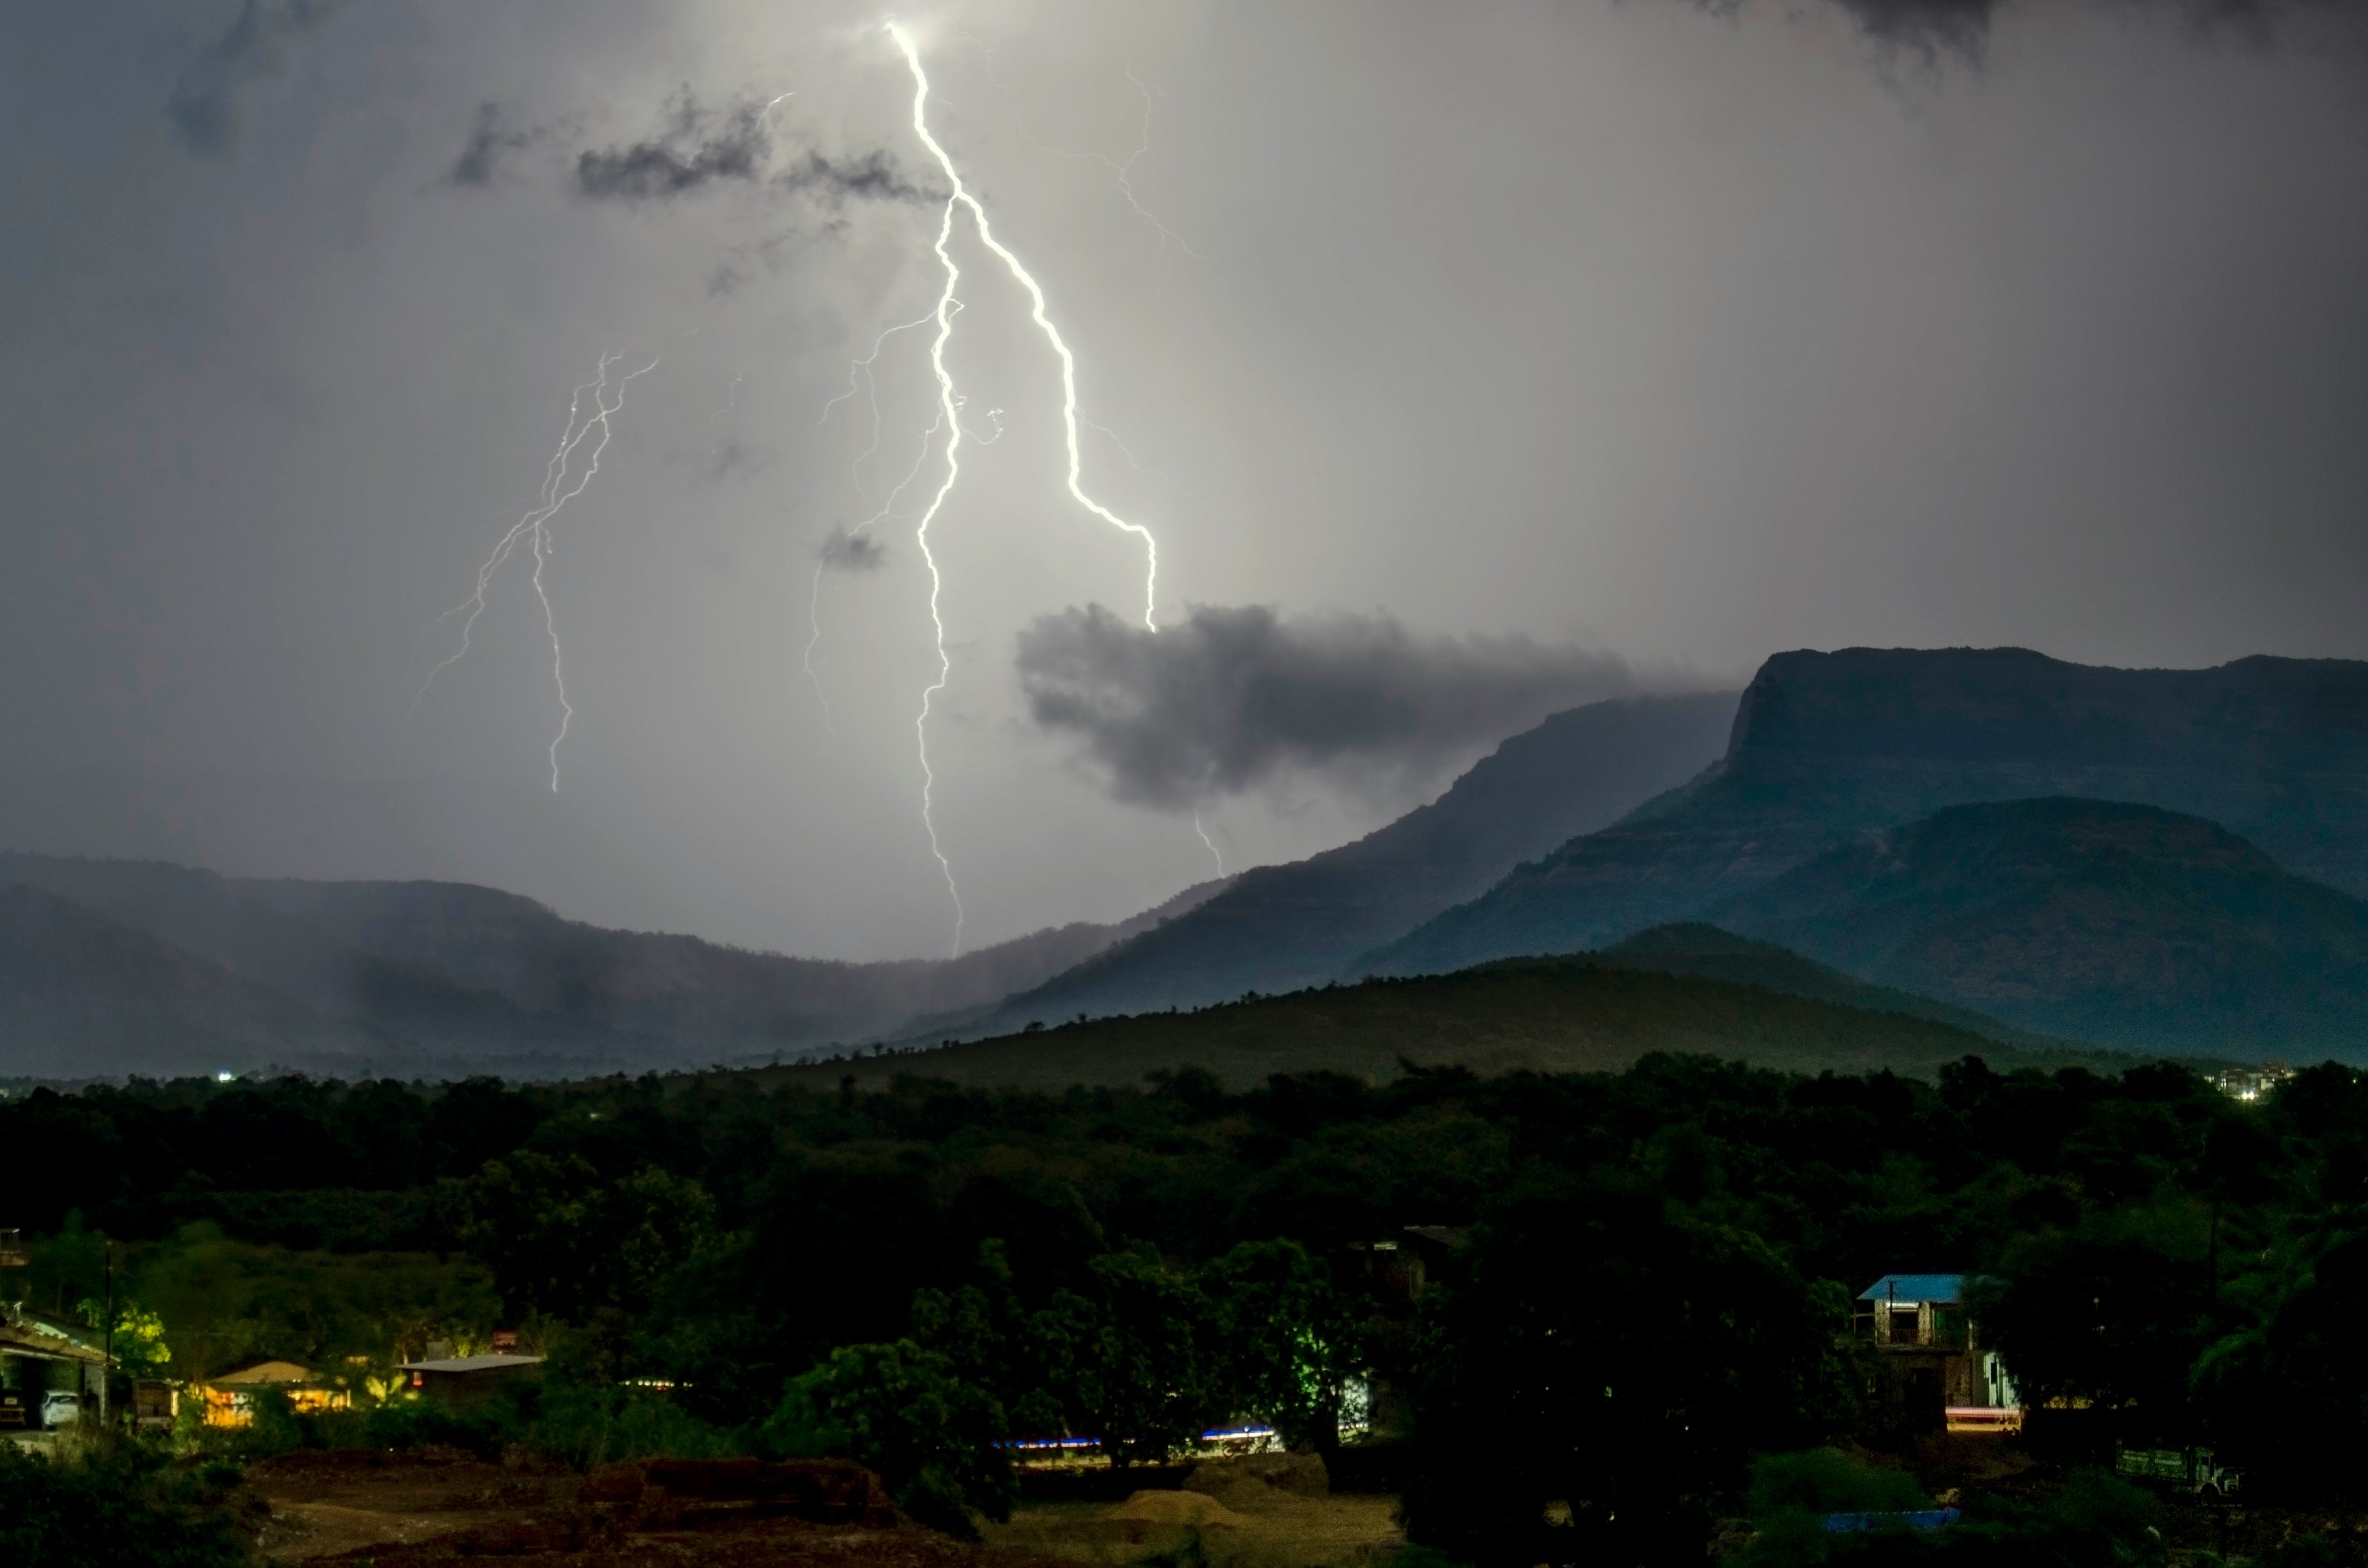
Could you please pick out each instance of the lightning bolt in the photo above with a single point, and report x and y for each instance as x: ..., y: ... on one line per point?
x: 1218, y: 854
x: 950, y: 404
x: 1038, y: 314
x: 534, y: 530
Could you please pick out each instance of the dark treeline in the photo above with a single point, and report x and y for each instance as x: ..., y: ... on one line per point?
x: 1651, y: 1282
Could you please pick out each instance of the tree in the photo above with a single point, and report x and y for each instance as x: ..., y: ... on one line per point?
x: 1603, y: 1358
x: 1292, y: 1343
x: 562, y: 1241
x: 934, y: 1438
x: 1135, y: 1357
x: 2111, y: 1316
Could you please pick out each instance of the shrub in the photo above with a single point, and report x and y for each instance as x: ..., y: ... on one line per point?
x: 118, y: 1506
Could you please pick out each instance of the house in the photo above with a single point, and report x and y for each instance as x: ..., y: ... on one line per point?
x: 41, y: 1354
x: 230, y: 1396
x: 1930, y: 1368
x: 468, y: 1379
x: 2252, y: 1083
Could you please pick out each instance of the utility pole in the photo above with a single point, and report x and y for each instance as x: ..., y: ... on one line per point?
x: 106, y: 1366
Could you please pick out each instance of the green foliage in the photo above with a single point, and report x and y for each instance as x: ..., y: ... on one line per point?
x: 585, y: 1425
x: 904, y: 1412
x: 1289, y: 1341
x: 1136, y: 1361
x: 119, y: 1507
x: 562, y: 1241
x: 139, y: 1338
x: 2095, y: 1521
x: 1603, y: 1351
x: 1828, y: 1480
x: 224, y: 1302
x: 1133, y: 1263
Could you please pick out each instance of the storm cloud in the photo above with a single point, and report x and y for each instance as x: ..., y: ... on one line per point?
x: 1961, y: 28
x: 696, y: 148
x: 845, y: 551
x: 701, y: 147
x: 1231, y: 698
x: 202, y: 108
x: 492, y: 140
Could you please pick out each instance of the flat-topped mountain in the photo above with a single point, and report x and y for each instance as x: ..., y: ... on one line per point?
x: 1827, y: 744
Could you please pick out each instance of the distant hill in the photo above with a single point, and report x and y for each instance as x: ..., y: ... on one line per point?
x: 441, y: 978
x: 1827, y: 744
x: 77, y: 987
x: 1543, y: 1015
x: 2124, y: 925
x: 1709, y: 953
x: 698, y: 996
x: 1279, y: 927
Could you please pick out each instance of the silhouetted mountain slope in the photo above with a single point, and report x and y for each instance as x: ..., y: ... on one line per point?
x: 1279, y: 927
x: 1707, y: 953
x: 2125, y: 925
x: 1541, y: 1015
x: 441, y: 978
x: 205, y: 914
x: 1828, y: 744
x: 77, y: 987
x: 692, y: 992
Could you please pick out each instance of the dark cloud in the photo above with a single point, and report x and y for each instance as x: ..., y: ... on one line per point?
x: 1230, y: 698
x: 871, y: 178
x: 488, y: 144
x: 701, y: 147
x: 1961, y: 28
x: 202, y: 108
x: 844, y: 551
x: 696, y: 148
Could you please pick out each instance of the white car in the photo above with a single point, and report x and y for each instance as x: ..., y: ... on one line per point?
x: 59, y: 1408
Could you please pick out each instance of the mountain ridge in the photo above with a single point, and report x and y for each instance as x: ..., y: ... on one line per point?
x: 1280, y: 927
x: 1825, y: 745
x: 2126, y: 924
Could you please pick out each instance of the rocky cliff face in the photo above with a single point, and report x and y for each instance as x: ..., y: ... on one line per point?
x: 1825, y: 745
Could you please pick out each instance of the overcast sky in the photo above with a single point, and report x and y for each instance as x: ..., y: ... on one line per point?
x: 1513, y: 353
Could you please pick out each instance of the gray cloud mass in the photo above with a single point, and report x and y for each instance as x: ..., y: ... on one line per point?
x: 701, y: 147
x: 202, y: 108
x: 845, y: 551
x: 1231, y: 698
x: 1961, y: 28
x: 492, y: 140
x: 696, y: 148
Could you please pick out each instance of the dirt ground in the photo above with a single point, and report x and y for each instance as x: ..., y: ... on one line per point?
x: 326, y: 1503
x: 442, y: 1506
x: 1273, y: 1513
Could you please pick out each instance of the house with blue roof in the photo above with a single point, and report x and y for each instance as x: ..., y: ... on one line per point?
x: 1930, y: 1363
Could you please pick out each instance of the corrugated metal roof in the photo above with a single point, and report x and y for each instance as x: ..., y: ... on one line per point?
x: 473, y: 1364
x: 1946, y: 1289
x: 36, y: 1336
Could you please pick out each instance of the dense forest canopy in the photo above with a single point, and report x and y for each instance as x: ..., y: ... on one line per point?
x: 1131, y: 1262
